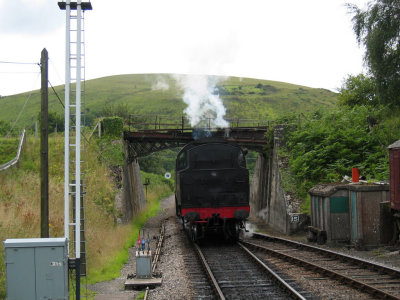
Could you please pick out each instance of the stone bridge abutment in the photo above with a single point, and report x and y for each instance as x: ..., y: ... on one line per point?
x: 268, y: 200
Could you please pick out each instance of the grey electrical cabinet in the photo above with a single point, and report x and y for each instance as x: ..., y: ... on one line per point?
x: 36, y: 269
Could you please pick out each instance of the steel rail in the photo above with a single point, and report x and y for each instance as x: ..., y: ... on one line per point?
x: 210, y: 275
x: 362, y: 286
x: 156, y: 256
x: 357, y: 261
x: 159, y: 245
x: 283, y: 284
x: 295, y: 294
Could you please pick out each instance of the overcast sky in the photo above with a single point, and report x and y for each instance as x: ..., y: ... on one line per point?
x: 309, y: 42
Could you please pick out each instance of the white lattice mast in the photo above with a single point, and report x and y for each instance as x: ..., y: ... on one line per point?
x: 73, y: 183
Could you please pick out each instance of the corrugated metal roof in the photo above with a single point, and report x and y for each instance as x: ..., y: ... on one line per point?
x: 395, y: 145
x: 326, y: 190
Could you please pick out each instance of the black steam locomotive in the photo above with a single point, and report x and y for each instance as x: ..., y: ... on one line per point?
x: 212, y: 188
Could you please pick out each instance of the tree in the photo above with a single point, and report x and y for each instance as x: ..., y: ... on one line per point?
x: 358, y: 90
x: 378, y: 29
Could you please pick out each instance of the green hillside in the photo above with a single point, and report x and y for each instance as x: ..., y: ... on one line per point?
x: 137, y: 94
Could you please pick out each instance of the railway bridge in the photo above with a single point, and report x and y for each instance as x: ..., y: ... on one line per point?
x: 144, y: 142
x: 147, y: 135
x: 151, y: 134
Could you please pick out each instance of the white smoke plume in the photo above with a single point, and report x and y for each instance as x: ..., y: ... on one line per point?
x: 160, y: 84
x: 205, y: 107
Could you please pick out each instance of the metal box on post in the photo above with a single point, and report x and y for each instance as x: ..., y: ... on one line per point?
x: 144, y: 274
x: 36, y: 268
x: 143, y: 264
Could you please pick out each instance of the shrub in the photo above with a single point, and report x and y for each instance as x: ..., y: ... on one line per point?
x: 112, y: 126
x: 328, y: 144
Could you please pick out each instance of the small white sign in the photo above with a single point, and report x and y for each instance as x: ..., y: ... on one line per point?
x: 56, y: 264
x: 295, y: 218
x: 167, y: 175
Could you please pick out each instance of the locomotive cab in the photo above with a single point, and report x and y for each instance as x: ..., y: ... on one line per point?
x: 212, y: 188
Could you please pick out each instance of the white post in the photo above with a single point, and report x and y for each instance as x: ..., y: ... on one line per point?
x: 78, y: 137
x: 66, y: 121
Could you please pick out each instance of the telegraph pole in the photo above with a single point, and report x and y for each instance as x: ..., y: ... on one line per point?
x: 44, y: 148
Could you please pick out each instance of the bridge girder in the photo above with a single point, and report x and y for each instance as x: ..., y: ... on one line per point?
x: 146, y: 142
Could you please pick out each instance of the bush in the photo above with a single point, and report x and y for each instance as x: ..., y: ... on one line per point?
x: 4, y: 128
x: 112, y: 126
x: 328, y: 144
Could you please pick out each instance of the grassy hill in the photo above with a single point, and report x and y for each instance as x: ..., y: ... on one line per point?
x: 144, y: 94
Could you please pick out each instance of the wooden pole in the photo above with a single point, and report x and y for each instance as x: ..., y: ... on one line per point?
x: 44, y: 148
x: 36, y: 130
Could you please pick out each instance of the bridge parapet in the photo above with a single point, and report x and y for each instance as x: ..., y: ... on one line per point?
x: 165, y: 122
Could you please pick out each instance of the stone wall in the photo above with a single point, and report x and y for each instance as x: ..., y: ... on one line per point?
x: 133, y: 199
x: 260, y: 187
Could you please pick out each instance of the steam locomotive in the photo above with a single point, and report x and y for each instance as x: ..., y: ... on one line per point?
x: 212, y: 188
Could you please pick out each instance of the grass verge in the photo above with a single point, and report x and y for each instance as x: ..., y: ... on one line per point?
x: 20, y: 208
x: 112, y: 266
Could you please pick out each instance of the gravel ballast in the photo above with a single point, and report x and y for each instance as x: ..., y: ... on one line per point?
x: 176, y: 281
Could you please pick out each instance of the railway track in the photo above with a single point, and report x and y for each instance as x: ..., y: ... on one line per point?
x: 201, y: 287
x: 156, y: 257
x: 236, y: 273
x: 374, y: 279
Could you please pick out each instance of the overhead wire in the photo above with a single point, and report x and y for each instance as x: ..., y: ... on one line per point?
x: 20, y: 113
x: 19, y: 63
x: 18, y: 72
x: 59, y: 99
x: 54, y: 68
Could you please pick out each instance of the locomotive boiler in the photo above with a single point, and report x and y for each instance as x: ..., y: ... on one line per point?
x: 212, y: 188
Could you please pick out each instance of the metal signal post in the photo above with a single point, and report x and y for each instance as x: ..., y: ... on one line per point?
x: 73, y: 159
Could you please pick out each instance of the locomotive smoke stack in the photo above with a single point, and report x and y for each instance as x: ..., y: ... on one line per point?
x: 201, y: 133
x: 227, y: 133
x: 205, y: 108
